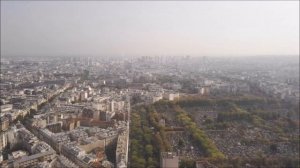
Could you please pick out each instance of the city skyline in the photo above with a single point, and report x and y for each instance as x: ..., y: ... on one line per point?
x: 149, y: 84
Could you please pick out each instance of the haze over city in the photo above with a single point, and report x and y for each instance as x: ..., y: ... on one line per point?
x: 131, y: 28
x: 142, y: 84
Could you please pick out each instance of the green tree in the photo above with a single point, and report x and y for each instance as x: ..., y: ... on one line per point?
x: 149, y: 150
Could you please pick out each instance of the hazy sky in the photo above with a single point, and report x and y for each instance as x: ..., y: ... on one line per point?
x: 131, y: 28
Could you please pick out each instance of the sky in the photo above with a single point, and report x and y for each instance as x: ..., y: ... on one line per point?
x: 157, y: 28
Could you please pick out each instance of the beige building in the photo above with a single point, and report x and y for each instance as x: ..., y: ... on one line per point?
x: 169, y: 160
x: 122, y: 150
x: 4, y: 124
x: 33, y: 160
